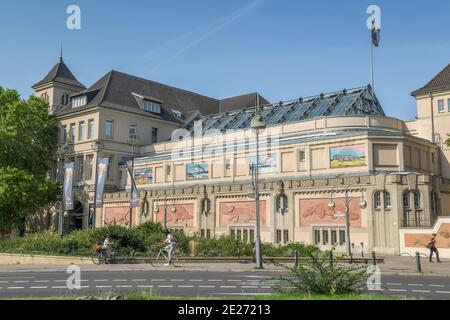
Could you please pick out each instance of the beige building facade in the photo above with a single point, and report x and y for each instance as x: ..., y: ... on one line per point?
x: 194, y: 156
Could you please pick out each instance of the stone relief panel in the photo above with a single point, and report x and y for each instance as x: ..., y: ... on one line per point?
x: 241, y: 212
x: 184, y: 215
x: 420, y: 240
x: 118, y: 215
x: 316, y: 211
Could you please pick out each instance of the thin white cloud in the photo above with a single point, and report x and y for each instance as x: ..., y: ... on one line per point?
x: 171, y: 49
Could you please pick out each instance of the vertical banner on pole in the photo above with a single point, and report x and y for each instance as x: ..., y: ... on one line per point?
x: 102, y: 174
x: 134, y: 191
x: 68, y: 186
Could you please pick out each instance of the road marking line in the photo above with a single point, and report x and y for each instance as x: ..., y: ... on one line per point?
x: 124, y: 286
x: 120, y: 280
x: 21, y: 281
x: 42, y: 281
x: 59, y: 287
x: 398, y: 290
x: 185, y: 286
x: 415, y: 285
x: 44, y: 287
x: 446, y: 292
x: 139, y: 280
x: 4, y: 281
x: 230, y: 287
x: 158, y: 280
x: 235, y: 280
x: 421, y: 291
x: 195, y: 280
x: 145, y: 286
x: 15, y: 288
x: 206, y: 286
x: 103, y: 287
x: 177, y: 280
x: 437, y: 285
x: 394, y: 284
x: 250, y: 287
x: 101, y: 280
x: 215, y: 280
x: 165, y: 286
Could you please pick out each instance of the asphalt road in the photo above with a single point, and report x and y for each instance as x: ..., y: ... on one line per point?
x: 191, y: 284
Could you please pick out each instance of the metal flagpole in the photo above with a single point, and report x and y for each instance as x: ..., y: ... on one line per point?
x: 371, y: 66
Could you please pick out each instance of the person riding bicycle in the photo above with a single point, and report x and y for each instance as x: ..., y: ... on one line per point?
x: 106, y: 247
x: 172, y: 243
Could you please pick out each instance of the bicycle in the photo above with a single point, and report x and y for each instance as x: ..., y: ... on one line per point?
x: 162, y: 257
x: 116, y: 255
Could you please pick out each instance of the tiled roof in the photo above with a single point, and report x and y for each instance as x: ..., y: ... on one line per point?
x: 440, y: 82
x: 359, y: 101
x: 62, y: 74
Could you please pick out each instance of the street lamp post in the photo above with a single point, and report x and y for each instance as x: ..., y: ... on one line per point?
x: 132, y: 141
x: 96, y: 146
x: 347, y: 200
x: 257, y: 124
x: 156, y: 210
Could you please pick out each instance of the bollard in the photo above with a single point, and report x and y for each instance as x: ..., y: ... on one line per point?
x: 374, y: 258
x: 419, y: 266
x: 362, y: 249
x: 296, y: 259
x: 351, y: 257
x: 330, y: 257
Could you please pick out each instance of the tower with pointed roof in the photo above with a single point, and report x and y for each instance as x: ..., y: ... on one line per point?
x: 57, y: 86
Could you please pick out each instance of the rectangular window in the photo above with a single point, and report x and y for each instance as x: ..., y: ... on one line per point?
x: 168, y: 171
x: 341, y: 237
x: 81, y: 131
x: 152, y: 106
x: 72, y: 133
x: 64, y: 135
x: 202, y: 233
x: 90, y: 167
x: 232, y: 234
x: 154, y: 137
x: 317, y: 237
x: 286, y: 236
x: 109, y: 129
x: 441, y: 106
x: 81, y: 168
x: 333, y: 237
x: 90, y: 128
x: 79, y: 102
x: 252, y: 235
x: 278, y: 240
x: 325, y: 237
x: 245, y: 235
x: 301, y: 156
x: 406, y: 200
x: 239, y: 234
x: 132, y: 130
x: 387, y: 200
x: 208, y: 234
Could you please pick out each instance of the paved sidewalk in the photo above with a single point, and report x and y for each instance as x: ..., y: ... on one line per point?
x: 392, y: 265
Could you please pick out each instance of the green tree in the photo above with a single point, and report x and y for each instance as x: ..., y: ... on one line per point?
x: 28, y: 137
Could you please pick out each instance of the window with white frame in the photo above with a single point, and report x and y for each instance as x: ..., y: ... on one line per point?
x: 90, y: 128
x: 301, y: 156
x: 441, y: 106
x: 79, y: 102
x: 81, y: 131
x: 109, y: 129
x: 152, y: 106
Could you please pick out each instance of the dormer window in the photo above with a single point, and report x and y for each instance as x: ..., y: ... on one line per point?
x: 79, y: 102
x: 151, y: 106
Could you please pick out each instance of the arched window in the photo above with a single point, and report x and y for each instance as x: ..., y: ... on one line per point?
x: 64, y: 99
x: 45, y: 96
x: 387, y: 200
x: 377, y: 200
x: 281, y: 203
x: 406, y: 202
x: 417, y: 200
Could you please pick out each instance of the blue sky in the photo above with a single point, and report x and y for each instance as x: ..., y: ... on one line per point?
x: 284, y: 49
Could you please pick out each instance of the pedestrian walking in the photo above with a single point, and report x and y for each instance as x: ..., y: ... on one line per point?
x: 432, y: 246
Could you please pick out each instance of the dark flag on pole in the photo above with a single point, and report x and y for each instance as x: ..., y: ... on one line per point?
x: 102, y: 174
x: 68, y: 186
x: 375, y: 34
x: 134, y: 191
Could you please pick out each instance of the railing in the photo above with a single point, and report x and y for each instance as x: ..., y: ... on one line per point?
x: 417, y: 221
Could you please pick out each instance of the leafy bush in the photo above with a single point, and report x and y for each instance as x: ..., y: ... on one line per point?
x: 319, y: 277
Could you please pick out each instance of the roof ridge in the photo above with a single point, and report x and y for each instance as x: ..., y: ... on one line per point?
x: 106, y: 87
x: 163, y: 85
x: 445, y: 69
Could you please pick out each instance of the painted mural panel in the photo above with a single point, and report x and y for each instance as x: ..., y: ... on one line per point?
x: 241, y: 212
x: 143, y: 176
x: 197, y: 171
x: 267, y: 163
x: 118, y: 216
x: 348, y: 156
x: 183, y: 216
x: 316, y: 211
x: 420, y: 240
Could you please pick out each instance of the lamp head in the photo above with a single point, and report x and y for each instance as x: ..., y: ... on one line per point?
x: 331, y: 205
x: 363, y: 204
x: 258, y: 122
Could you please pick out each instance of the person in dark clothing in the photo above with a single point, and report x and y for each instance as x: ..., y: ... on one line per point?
x: 433, y: 249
